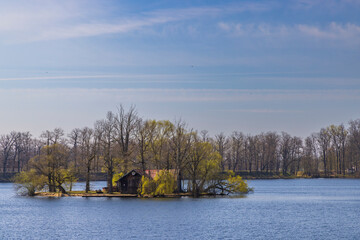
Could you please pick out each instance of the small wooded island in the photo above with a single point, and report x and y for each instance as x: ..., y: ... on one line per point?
x: 136, y: 183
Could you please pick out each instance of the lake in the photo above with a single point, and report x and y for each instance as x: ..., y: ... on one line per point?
x: 278, y: 209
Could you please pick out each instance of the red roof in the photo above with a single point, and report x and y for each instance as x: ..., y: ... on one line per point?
x: 152, y: 172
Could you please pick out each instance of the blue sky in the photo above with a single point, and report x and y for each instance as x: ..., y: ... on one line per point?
x: 250, y: 66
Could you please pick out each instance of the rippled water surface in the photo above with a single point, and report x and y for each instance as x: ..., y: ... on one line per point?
x: 278, y: 209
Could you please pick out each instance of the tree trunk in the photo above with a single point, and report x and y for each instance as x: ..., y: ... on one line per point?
x: 61, y: 189
x: 179, y: 179
x: 195, y: 190
x: 324, y: 159
x: 109, y: 180
x: 87, y: 185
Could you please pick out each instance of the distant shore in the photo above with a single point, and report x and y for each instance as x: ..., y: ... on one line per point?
x: 299, y: 177
x: 245, y: 175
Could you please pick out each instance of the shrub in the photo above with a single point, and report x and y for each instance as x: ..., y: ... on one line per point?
x: 28, y: 182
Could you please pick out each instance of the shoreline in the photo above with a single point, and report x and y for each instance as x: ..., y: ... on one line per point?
x: 112, y: 195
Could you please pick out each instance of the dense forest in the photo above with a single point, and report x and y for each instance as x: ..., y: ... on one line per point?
x: 123, y: 141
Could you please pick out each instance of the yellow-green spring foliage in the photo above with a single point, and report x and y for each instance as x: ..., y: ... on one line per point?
x: 28, y: 182
x: 116, y: 178
x: 147, y: 186
x: 163, y: 183
x: 236, y: 184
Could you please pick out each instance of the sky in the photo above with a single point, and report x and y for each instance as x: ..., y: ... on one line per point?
x: 250, y: 66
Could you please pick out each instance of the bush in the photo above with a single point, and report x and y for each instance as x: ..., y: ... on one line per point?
x: 147, y: 186
x: 237, y: 185
x: 28, y: 182
x: 116, y: 178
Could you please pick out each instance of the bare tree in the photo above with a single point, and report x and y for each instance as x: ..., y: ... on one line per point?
x: 160, y: 150
x: 87, y: 145
x: 323, y: 139
x: 107, y: 128
x: 236, y: 149
x: 74, y: 141
x: 180, y: 143
x: 221, y: 145
x: 7, y: 142
x: 125, y: 129
x: 145, y: 133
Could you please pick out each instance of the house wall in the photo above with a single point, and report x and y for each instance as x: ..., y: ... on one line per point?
x: 129, y: 184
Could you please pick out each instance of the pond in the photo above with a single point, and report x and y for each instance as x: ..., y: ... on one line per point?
x: 278, y: 209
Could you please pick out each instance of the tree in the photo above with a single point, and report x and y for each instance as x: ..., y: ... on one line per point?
x: 323, y: 138
x: 354, y: 142
x: 310, y: 160
x: 180, y: 143
x: 236, y: 149
x: 290, y: 150
x: 159, y: 146
x: 227, y: 183
x: 7, y: 141
x: 87, y: 145
x: 51, y: 163
x: 106, y: 129
x: 163, y: 183
x: 125, y: 126
x: 221, y: 145
x: 145, y: 133
x: 74, y: 140
x: 202, y: 165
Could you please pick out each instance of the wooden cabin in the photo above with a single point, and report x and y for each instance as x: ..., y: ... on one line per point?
x: 129, y: 183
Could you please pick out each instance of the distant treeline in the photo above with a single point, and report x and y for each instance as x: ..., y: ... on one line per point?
x: 123, y: 141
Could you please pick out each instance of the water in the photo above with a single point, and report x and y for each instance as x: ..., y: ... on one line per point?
x: 278, y: 209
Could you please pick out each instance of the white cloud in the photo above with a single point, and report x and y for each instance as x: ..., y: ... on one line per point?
x: 332, y: 31
x: 254, y: 29
x: 224, y: 26
x: 51, y: 20
x: 348, y: 32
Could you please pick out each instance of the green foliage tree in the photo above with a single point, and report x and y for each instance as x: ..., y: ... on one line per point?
x: 203, y: 165
x: 50, y: 164
x: 163, y: 183
x: 228, y: 183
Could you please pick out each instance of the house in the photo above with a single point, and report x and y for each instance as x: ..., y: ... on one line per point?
x: 129, y: 183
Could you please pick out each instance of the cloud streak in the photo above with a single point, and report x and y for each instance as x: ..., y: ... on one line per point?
x: 261, y: 111
x: 54, y: 21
